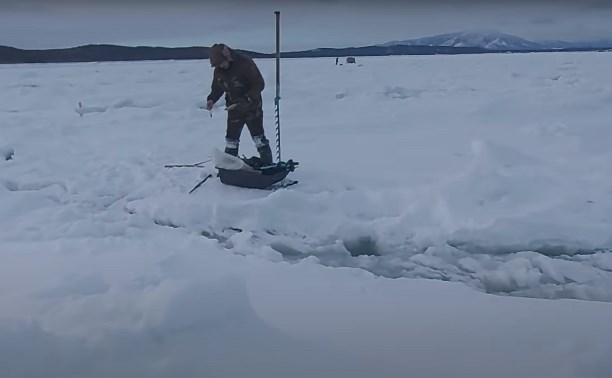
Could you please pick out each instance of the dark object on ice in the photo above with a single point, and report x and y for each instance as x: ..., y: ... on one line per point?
x: 194, y: 165
x: 200, y: 183
x: 350, y: 59
x: 7, y: 153
x: 255, y: 176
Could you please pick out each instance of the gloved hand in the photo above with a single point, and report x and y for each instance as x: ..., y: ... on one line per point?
x: 244, y: 103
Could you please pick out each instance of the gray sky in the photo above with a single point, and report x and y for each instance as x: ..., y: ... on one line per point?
x: 304, y: 24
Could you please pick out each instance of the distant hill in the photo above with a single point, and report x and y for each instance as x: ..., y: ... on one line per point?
x: 443, y: 44
x: 96, y: 53
x: 382, y: 51
x: 594, y: 44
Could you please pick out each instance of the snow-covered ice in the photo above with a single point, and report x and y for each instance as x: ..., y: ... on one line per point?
x: 443, y: 203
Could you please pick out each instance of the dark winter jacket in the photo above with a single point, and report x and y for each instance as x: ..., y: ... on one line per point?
x: 242, y: 80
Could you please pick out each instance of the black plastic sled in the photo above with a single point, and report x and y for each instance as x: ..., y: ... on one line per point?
x: 254, y: 176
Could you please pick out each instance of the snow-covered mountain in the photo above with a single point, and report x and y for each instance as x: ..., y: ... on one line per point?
x: 494, y: 40
x: 485, y: 39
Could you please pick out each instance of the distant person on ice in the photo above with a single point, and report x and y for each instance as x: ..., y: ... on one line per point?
x: 237, y: 75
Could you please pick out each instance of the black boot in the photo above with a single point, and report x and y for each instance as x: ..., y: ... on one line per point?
x: 263, y: 147
x: 265, y: 153
x: 231, y: 146
x: 231, y: 151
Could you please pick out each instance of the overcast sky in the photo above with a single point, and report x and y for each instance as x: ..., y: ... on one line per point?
x: 305, y: 24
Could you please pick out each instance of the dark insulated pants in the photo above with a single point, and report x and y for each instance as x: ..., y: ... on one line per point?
x: 236, y: 121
